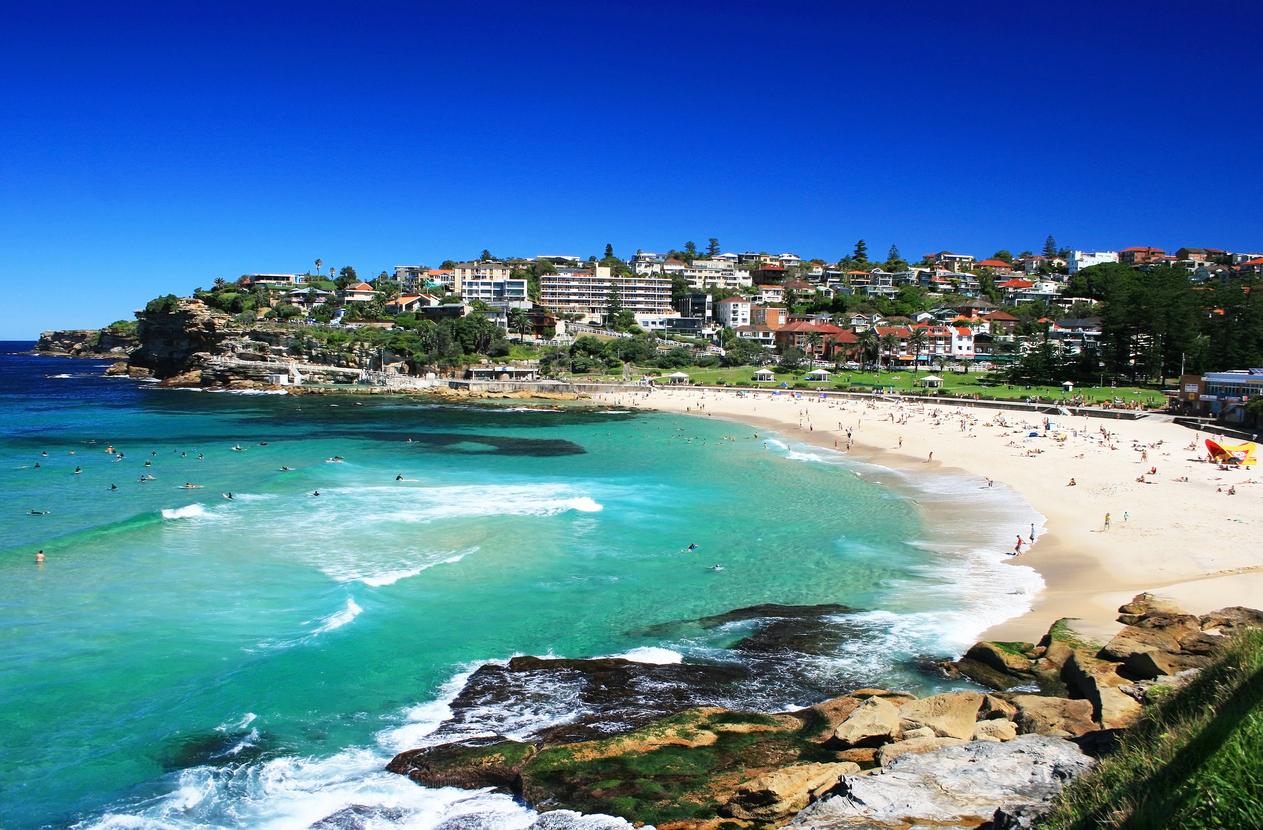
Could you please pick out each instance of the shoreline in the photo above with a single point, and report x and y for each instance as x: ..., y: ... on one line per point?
x: 1182, y: 540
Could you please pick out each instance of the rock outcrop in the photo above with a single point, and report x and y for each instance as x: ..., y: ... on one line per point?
x: 93, y: 343
x: 869, y: 759
x: 953, y: 785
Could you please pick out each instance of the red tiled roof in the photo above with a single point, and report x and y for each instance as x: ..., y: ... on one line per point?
x: 1016, y: 282
x: 362, y: 287
x: 993, y: 263
x: 1152, y: 250
x: 1258, y: 261
x: 999, y: 315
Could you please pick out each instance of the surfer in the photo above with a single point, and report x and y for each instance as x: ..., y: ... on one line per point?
x: 78, y: 470
x: 227, y: 496
x: 188, y: 486
x: 692, y: 546
x: 148, y: 463
x: 399, y: 477
x: 284, y: 469
x: 39, y: 512
x: 316, y: 493
x: 718, y: 568
x: 113, y: 486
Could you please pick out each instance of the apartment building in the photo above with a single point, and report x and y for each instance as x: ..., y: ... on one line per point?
x: 1140, y: 256
x: 772, y: 317
x: 587, y: 291
x: 1086, y: 259
x: 494, y: 290
x: 490, y: 270
x: 953, y: 262
x: 733, y: 312
x: 715, y: 274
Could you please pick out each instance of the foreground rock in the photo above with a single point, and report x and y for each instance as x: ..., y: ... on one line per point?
x: 93, y: 343
x: 956, y: 785
x: 869, y: 759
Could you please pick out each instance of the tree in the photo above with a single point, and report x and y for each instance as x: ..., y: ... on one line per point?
x: 485, y: 256
x: 918, y: 341
x: 346, y: 277
x: 1050, y: 247
x: 890, y: 343
x: 893, y: 253
x: 792, y: 358
x: 712, y: 249
x: 1003, y: 256
x: 519, y: 321
x: 609, y: 250
x: 814, y: 339
x: 868, y: 341
x: 613, y: 303
x: 861, y: 252
x: 318, y: 264
x: 690, y: 252
x: 219, y: 283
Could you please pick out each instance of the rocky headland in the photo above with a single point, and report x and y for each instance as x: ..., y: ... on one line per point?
x: 655, y: 744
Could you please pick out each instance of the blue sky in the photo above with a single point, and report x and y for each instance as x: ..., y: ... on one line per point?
x: 147, y: 149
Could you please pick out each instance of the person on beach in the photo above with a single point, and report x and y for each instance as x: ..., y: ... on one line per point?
x: 1018, y: 547
x: 1107, y: 521
x: 1072, y: 483
x: 931, y: 458
x: 1033, y: 531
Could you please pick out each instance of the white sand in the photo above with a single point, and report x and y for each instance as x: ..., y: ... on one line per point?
x: 1186, y: 540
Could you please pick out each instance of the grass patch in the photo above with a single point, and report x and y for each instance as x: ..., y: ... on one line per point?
x: 1193, y: 760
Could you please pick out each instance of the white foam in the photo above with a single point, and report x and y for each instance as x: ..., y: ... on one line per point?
x: 367, y: 567
x: 338, y: 619
x: 189, y: 511
x: 652, y: 654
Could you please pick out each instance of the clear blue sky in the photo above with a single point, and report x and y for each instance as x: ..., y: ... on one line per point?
x: 147, y: 149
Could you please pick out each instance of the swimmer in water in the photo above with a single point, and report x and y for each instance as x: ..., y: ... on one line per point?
x: 39, y: 512
x: 718, y: 568
x: 314, y: 494
x: 37, y: 465
x: 148, y: 463
x: 39, y: 556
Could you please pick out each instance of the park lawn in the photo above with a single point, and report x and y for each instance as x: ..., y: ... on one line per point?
x: 903, y: 381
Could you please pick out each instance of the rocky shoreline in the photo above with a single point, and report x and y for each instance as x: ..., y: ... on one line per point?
x: 653, y: 746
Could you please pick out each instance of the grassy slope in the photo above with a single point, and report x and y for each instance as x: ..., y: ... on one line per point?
x: 1195, y: 760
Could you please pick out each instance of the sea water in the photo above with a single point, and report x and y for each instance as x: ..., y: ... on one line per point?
x: 182, y: 659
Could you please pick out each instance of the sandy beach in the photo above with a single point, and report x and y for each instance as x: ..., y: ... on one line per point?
x: 1186, y: 539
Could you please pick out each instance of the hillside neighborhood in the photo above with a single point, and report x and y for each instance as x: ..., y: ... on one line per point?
x: 1138, y: 316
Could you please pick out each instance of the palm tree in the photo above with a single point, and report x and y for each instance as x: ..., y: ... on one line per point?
x: 917, y: 340
x: 519, y: 320
x: 867, y: 341
x: 890, y: 343
x: 814, y: 339
x: 318, y: 264
x: 219, y: 282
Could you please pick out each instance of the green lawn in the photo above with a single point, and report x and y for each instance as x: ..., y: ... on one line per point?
x: 901, y: 381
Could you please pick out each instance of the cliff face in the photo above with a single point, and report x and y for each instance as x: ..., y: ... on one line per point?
x: 170, y: 342
x: 94, y: 343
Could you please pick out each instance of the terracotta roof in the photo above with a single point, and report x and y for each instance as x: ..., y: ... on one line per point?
x: 999, y: 315
x: 362, y: 287
x: 803, y: 325
x: 993, y: 263
x: 673, y: 261
x: 1016, y: 282
x: 1258, y: 261
x: 1153, y: 250
x: 770, y: 267
x: 732, y: 300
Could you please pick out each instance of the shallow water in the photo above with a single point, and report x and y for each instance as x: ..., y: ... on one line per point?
x: 184, y: 660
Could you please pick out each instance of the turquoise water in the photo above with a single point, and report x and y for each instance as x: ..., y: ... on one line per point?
x: 185, y: 660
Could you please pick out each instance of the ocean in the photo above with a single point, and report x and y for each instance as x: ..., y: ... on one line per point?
x: 181, y: 659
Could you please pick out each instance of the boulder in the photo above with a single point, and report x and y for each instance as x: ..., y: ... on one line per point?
x: 1053, y: 716
x: 1228, y: 619
x: 950, y: 715
x: 918, y: 732
x: 994, y: 730
x: 1098, y: 681
x: 495, y: 762
x: 1003, y: 657
x: 873, y: 723
x: 1163, y: 632
x: 782, y: 793
x: 995, y: 708
x: 834, y: 712
x: 1143, y: 605
x: 890, y: 752
x: 953, y: 785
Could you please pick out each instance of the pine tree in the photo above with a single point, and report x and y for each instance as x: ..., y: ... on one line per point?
x: 609, y: 250
x: 861, y: 252
x: 1050, y: 247
x: 712, y: 250
x: 893, y: 254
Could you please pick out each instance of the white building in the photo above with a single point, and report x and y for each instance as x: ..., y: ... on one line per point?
x: 587, y: 291
x: 705, y: 273
x: 644, y: 263
x: 494, y: 291
x: 733, y: 312
x: 1086, y: 259
x: 490, y: 270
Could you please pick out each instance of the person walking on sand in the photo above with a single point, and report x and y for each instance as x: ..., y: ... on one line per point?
x: 1107, y: 521
x: 1032, y: 533
x: 1018, y: 547
x: 931, y: 458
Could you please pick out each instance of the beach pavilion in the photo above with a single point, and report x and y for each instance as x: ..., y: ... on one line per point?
x: 931, y: 381
x: 676, y: 377
x: 763, y: 375
x: 818, y: 374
